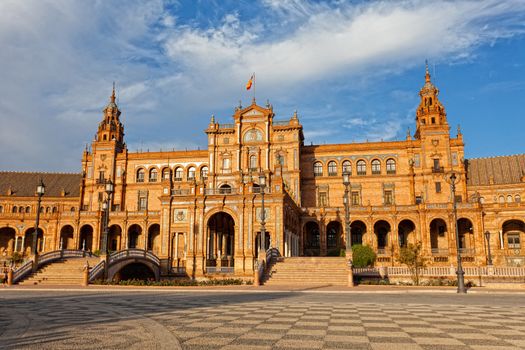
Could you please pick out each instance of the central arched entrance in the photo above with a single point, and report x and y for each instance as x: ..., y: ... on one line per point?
x: 221, y: 240
x: 86, y: 238
x: 334, y: 238
x: 134, y: 234
x: 312, y: 239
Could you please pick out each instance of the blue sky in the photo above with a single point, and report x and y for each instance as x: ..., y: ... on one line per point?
x: 352, y: 69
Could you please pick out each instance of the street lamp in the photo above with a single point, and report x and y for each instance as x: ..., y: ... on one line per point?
x: 262, y: 243
x: 489, y: 256
x: 348, y: 245
x: 105, y: 206
x: 452, y: 179
x: 40, y: 190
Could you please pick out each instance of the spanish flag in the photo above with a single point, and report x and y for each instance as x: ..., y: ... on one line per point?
x: 250, y: 82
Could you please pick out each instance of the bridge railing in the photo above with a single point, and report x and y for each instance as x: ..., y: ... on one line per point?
x: 22, y: 271
x: 442, y: 271
x: 96, y: 270
x: 133, y: 253
x: 61, y: 254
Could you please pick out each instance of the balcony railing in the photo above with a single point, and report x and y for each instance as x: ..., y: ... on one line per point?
x: 439, y: 251
x: 221, y: 191
x: 438, y: 169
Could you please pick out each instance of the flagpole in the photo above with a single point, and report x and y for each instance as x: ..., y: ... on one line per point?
x: 254, y: 86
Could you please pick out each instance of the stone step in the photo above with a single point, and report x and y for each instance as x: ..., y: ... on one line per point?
x: 308, y: 271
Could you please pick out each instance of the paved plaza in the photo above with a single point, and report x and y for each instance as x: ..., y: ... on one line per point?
x: 243, y: 319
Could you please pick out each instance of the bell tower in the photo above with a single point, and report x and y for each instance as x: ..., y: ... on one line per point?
x: 430, y: 114
x: 110, y: 129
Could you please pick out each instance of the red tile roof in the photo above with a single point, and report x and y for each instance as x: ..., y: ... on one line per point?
x: 23, y: 184
x: 496, y: 170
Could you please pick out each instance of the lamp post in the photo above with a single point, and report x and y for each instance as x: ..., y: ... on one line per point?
x: 262, y: 243
x: 40, y: 190
x: 348, y: 241
x: 105, y: 206
x: 452, y: 179
x: 489, y: 256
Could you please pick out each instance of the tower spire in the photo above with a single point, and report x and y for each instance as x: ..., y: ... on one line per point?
x: 427, y: 73
x: 112, y: 98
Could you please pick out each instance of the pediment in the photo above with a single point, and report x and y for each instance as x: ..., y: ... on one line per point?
x: 253, y: 113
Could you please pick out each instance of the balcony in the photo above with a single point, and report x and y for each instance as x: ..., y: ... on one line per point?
x: 438, y: 170
x: 220, y: 191
x: 178, y: 192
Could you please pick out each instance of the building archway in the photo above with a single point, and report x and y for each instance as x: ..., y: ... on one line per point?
x: 221, y: 239
x: 513, y: 236
x: 406, y: 232
x: 334, y: 236
x: 135, y: 271
x: 86, y: 238
x: 466, y: 235
x: 381, y: 230
x: 28, y: 241
x: 134, y: 234
x: 312, y: 239
x: 114, y: 237
x: 66, y: 237
x: 438, y: 236
x: 7, y: 240
x: 357, y: 230
x: 154, y: 238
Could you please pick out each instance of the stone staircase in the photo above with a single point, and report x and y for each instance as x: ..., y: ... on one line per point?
x: 61, y: 272
x: 308, y: 271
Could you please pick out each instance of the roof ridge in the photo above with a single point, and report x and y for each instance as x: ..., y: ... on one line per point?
x: 37, y: 172
x: 499, y: 156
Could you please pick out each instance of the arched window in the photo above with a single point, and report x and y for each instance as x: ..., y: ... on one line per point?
x: 41, y: 210
x: 376, y: 167
x: 318, y: 169
x: 28, y: 209
x: 55, y: 209
x: 225, y: 189
x: 178, y: 174
x: 20, y: 209
x: 390, y: 166
x: 166, y: 173
x: 1, y: 209
x: 253, y: 163
x: 140, y: 175
x: 191, y: 173
x: 48, y: 209
x: 517, y: 199
x: 482, y: 200
x: 153, y: 174
x: 347, y: 167
x: 501, y: 199
x: 72, y: 209
x: 332, y: 168
x: 361, y: 167
x: 204, y: 172
x: 15, y: 209
x: 509, y: 199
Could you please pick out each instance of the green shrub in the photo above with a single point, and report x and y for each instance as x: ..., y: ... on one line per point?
x: 363, y: 255
x: 176, y: 283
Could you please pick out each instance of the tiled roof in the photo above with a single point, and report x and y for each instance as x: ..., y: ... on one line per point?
x: 502, y: 170
x: 24, y: 184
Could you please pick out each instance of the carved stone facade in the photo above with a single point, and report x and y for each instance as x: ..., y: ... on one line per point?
x: 200, y: 210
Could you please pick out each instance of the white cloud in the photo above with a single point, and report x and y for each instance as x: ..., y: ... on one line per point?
x: 59, y: 58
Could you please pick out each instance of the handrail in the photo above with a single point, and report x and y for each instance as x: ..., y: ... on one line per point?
x: 60, y: 254
x: 133, y: 253
x: 440, y: 271
x: 96, y: 270
x: 22, y: 271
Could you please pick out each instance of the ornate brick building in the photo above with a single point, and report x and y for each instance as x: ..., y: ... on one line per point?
x: 201, y: 209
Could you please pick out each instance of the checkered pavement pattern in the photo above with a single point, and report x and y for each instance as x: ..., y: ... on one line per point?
x: 282, y: 325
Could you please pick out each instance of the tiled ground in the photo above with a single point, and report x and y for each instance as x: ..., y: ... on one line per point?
x: 256, y: 321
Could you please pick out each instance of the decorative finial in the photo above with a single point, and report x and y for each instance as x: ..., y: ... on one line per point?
x: 459, y: 130
x: 295, y: 114
x: 212, y: 120
x: 427, y: 73
x: 240, y: 104
x: 253, y: 100
x: 409, y: 136
x: 268, y: 104
x: 113, y: 94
